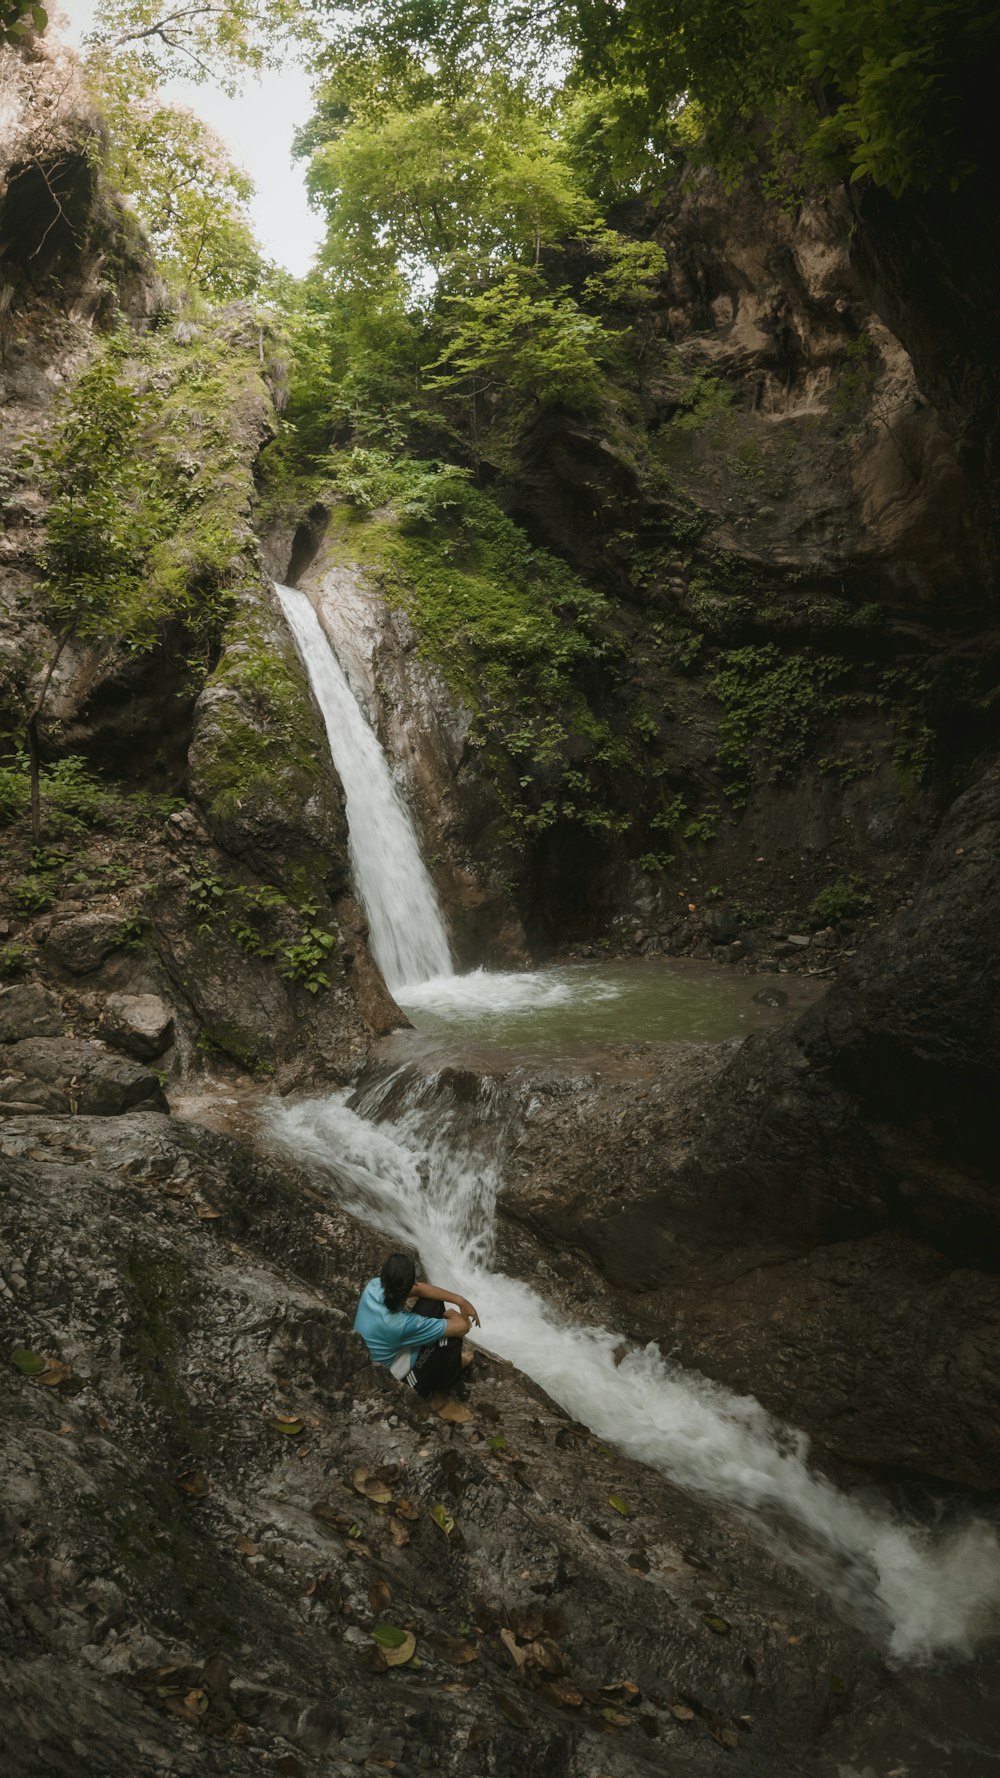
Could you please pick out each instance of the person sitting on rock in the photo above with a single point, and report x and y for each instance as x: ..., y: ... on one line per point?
x: 422, y: 1345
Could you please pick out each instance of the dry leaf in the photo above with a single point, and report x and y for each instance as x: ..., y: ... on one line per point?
x: 365, y: 1482
x: 247, y: 1547
x: 683, y: 1712
x: 407, y: 1510
x: 197, y: 1702
x: 455, y: 1412
x: 561, y: 1693
x: 205, y: 1213
x: 396, y: 1646
x: 55, y: 1372
x: 380, y: 1595
x: 195, y: 1483
x: 792, y: 1641
x: 400, y: 1535
x: 517, y: 1655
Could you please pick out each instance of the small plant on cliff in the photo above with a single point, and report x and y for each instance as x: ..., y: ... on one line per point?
x: 842, y: 900
x: 304, y: 961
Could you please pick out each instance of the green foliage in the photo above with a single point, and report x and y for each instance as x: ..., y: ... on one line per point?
x: 705, y: 397
x: 773, y: 705
x: 303, y: 961
x: 842, y: 900
x: 15, y: 960
x: 517, y: 339
x: 15, y: 795
x: 189, y: 198
x: 20, y: 22
x: 32, y: 895
x: 217, y: 40
x: 149, y: 485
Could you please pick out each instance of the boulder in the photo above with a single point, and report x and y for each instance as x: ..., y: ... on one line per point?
x: 141, y: 1024
x: 82, y: 943
x: 81, y: 1076
x: 29, y: 1010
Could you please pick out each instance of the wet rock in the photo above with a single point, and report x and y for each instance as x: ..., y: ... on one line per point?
x: 770, y: 997
x: 29, y: 1010
x: 140, y: 1024
x: 81, y: 944
x: 153, y: 1517
x: 81, y: 1077
x: 721, y: 925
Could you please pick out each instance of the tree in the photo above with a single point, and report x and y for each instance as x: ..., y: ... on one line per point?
x: 217, y: 40
x: 178, y: 178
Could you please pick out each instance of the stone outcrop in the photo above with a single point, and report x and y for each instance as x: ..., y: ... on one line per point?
x: 817, y: 1220
x: 141, y: 1024
x: 192, y: 1570
x: 65, y: 1074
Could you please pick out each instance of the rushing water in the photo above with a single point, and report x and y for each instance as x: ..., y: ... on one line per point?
x: 401, y: 1159
x: 431, y: 1185
x: 407, y: 932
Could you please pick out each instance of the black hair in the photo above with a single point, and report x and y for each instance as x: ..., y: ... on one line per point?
x: 397, y: 1279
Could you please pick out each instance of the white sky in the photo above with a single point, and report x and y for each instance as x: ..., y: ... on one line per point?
x: 258, y: 127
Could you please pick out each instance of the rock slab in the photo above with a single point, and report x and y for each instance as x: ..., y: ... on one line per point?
x: 140, y: 1024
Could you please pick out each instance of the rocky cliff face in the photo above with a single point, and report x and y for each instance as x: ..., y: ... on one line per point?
x: 194, y: 846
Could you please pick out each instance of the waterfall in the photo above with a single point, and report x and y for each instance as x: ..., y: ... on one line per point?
x: 427, y: 1174
x: 407, y: 933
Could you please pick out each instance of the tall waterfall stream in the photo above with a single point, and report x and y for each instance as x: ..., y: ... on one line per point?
x: 429, y: 1179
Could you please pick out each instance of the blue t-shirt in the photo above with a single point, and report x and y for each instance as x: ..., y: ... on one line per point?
x: 387, y: 1331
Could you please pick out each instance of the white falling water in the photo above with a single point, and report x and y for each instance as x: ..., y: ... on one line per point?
x: 407, y: 932
x: 430, y: 1185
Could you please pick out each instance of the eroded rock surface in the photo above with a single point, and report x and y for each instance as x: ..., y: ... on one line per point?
x: 190, y: 1575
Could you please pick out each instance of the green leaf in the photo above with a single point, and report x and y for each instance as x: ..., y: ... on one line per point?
x: 718, y: 1624
x: 442, y: 1517
x: 389, y: 1635
x: 28, y: 1363
x: 499, y: 1443
x: 620, y: 1505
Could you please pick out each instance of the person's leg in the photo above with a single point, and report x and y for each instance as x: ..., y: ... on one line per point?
x: 438, y: 1367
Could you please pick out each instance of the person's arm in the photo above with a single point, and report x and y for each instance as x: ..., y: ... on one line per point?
x: 467, y: 1313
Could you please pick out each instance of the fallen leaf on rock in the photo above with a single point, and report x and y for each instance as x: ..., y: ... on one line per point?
x: 793, y: 1641
x: 30, y: 1364
x: 511, y: 1709
x: 455, y: 1412
x: 397, y: 1646
x: 195, y: 1483
x: 547, y: 1655
x: 517, y: 1655
x: 399, y: 1533
x: 442, y: 1517
x: 289, y: 1424
x: 247, y: 1547
x: 620, y: 1505
x: 499, y: 1443
x: 407, y: 1510
x: 725, y: 1737
x: 177, y: 1188
x: 683, y: 1712
x: 380, y: 1595
x: 458, y: 1653
x: 617, y: 1717
x: 205, y: 1213
x: 627, y: 1686
x: 564, y: 1694
x: 197, y: 1702
x: 718, y: 1624
x: 64, y: 1428
x: 55, y: 1372
x: 365, y: 1482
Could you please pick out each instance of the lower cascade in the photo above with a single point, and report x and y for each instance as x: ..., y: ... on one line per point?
x: 429, y: 1179
x: 417, y: 1177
